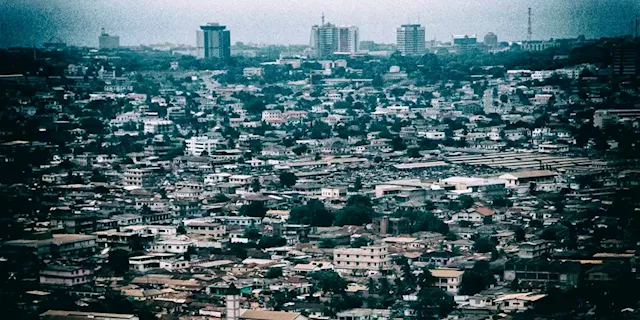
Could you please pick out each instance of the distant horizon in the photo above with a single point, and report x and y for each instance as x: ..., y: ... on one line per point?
x: 289, y: 22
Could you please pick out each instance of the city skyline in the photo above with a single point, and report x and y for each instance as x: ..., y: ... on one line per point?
x: 33, y: 23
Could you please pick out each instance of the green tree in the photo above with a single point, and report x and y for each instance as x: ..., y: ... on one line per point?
x: 328, y: 281
x: 327, y: 244
x: 191, y: 251
x: 300, y: 149
x: 432, y: 301
x: 357, y: 185
x: 398, y: 144
x: 519, y: 234
x: 372, y: 286
x: 253, y: 209
x: 419, y: 220
x: 92, y: 125
x: 414, y: 153
x: 483, y: 245
x: 255, y: 106
x: 252, y: 233
x: 288, y: 179
x: 274, y: 273
x: 472, y: 283
x: 313, y: 213
x: 119, y: 261
x: 271, y: 242
x: 377, y: 82
x: 466, y: 201
x: 320, y: 130
x: 548, y: 234
x: 357, y: 211
x: 255, y: 185
x: 359, y: 242
x: 219, y: 198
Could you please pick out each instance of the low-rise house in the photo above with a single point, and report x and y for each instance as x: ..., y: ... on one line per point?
x: 542, y: 272
x: 241, y: 179
x: 534, y: 249
x: 270, y: 315
x: 156, y: 261
x: 79, y: 315
x: 524, y: 178
x: 66, y: 276
x: 517, y: 301
x: 127, y: 219
x: 448, y: 279
x: 364, y: 314
x: 61, y: 245
x: 171, y: 246
x: 334, y: 193
x: 203, y: 227
x: 373, y: 258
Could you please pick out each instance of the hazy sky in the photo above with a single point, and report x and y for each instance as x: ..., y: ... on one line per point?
x: 78, y: 22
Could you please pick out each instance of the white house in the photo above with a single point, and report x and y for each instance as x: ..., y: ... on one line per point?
x: 448, y: 279
x: 171, y: 246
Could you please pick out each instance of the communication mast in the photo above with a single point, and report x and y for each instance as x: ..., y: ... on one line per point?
x: 529, y: 30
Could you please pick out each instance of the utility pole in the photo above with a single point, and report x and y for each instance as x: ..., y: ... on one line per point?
x: 529, y: 29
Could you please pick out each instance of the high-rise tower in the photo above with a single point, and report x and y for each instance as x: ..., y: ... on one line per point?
x: 411, y: 39
x: 213, y: 41
x: 106, y: 41
x: 327, y: 39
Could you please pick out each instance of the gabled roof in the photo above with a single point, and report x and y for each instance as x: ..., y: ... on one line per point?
x: 271, y: 315
x: 487, y: 212
x: 531, y: 174
x: 528, y: 296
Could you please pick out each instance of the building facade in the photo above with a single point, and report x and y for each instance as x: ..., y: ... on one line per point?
x: 348, y: 39
x: 195, y: 146
x: 66, y: 276
x: 106, y: 41
x: 213, y: 41
x: 448, y: 279
x: 324, y: 39
x: 411, y: 39
x: 371, y: 258
x: 626, y: 60
x: 491, y: 40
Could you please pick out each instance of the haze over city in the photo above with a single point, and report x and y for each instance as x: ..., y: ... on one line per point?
x: 319, y: 160
x: 28, y: 23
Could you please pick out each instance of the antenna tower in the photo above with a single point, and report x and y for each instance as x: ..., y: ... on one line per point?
x: 529, y: 30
